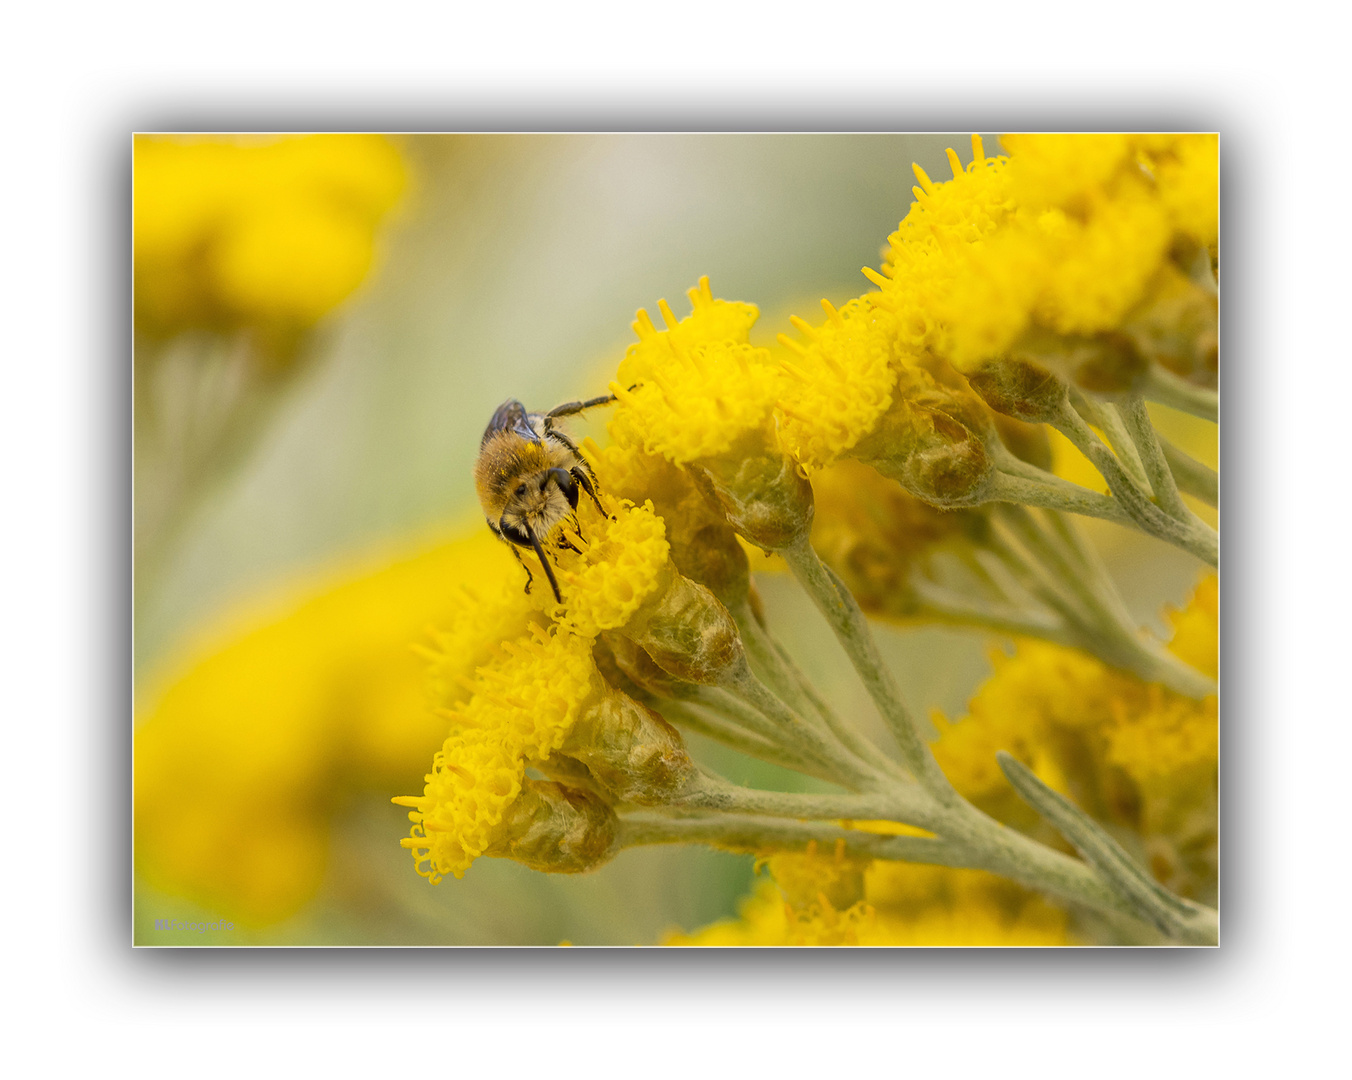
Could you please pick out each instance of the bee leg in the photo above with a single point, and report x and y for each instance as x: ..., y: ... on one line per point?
x: 544, y: 562
x: 517, y: 552
x: 572, y: 408
x: 582, y: 474
x: 567, y: 544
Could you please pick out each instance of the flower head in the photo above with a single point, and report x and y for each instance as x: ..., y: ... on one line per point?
x: 522, y: 706
x: 704, y: 398
x: 1060, y: 255
x: 841, y: 381
x: 624, y: 566
x: 690, y: 391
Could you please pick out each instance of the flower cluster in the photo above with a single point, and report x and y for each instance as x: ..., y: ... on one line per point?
x: 519, y: 684
x: 907, y: 436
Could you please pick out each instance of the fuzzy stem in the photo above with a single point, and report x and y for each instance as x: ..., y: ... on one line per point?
x: 740, y: 682
x: 1191, y: 536
x: 1108, y: 631
x: 1191, y: 475
x: 975, y: 842
x: 1166, y: 388
x: 900, y: 802
x: 1142, y: 433
x: 711, y: 725
x: 799, y: 693
x: 1105, y: 417
x: 1054, y: 494
x: 842, y: 612
x: 946, y: 606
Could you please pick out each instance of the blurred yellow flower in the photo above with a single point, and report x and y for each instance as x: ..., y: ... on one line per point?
x: 1129, y: 753
x: 261, y: 232
x: 903, y: 904
x: 250, y: 743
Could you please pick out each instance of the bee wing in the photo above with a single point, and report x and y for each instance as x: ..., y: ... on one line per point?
x: 511, y: 415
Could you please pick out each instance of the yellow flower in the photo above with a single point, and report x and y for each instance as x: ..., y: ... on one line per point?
x: 1050, y: 252
x: 258, y: 232
x: 249, y: 745
x: 1098, y: 271
x: 528, y: 693
x: 926, y: 256
x: 1195, y: 638
x: 524, y: 704
x: 1189, y: 181
x: 690, y: 391
x: 841, y: 381
x: 625, y: 566
x: 766, y: 920
x: 1065, y: 170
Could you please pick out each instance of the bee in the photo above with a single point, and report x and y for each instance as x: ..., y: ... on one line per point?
x: 528, y: 476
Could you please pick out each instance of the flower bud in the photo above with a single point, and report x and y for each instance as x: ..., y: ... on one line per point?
x: 759, y: 490
x: 688, y: 633
x: 1105, y: 363
x: 636, y: 667
x: 633, y: 753
x: 932, y: 440
x: 1017, y: 387
x: 556, y: 829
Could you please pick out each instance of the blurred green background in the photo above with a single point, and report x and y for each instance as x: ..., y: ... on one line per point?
x: 513, y: 269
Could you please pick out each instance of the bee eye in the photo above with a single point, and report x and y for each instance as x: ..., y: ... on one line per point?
x: 521, y: 489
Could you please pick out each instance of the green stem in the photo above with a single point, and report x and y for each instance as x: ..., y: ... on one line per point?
x: 1108, y: 631
x: 900, y: 802
x: 740, y: 682
x: 1154, y: 903
x: 793, y: 686
x: 1054, y: 494
x: 1192, y: 476
x: 743, y: 832
x: 1163, y: 386
x: 1105, y: 417
x: 977, y: 842
x: 713, y: 726
x: 843, y: 615
x: 946, y: 606
x: 1191, y: 536
x: 765, y: 661
x: 1142, y: 433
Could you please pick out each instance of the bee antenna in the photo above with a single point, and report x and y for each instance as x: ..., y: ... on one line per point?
x: 549, y: 570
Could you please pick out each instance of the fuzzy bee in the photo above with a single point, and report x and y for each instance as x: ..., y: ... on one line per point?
x: 528, y: 475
